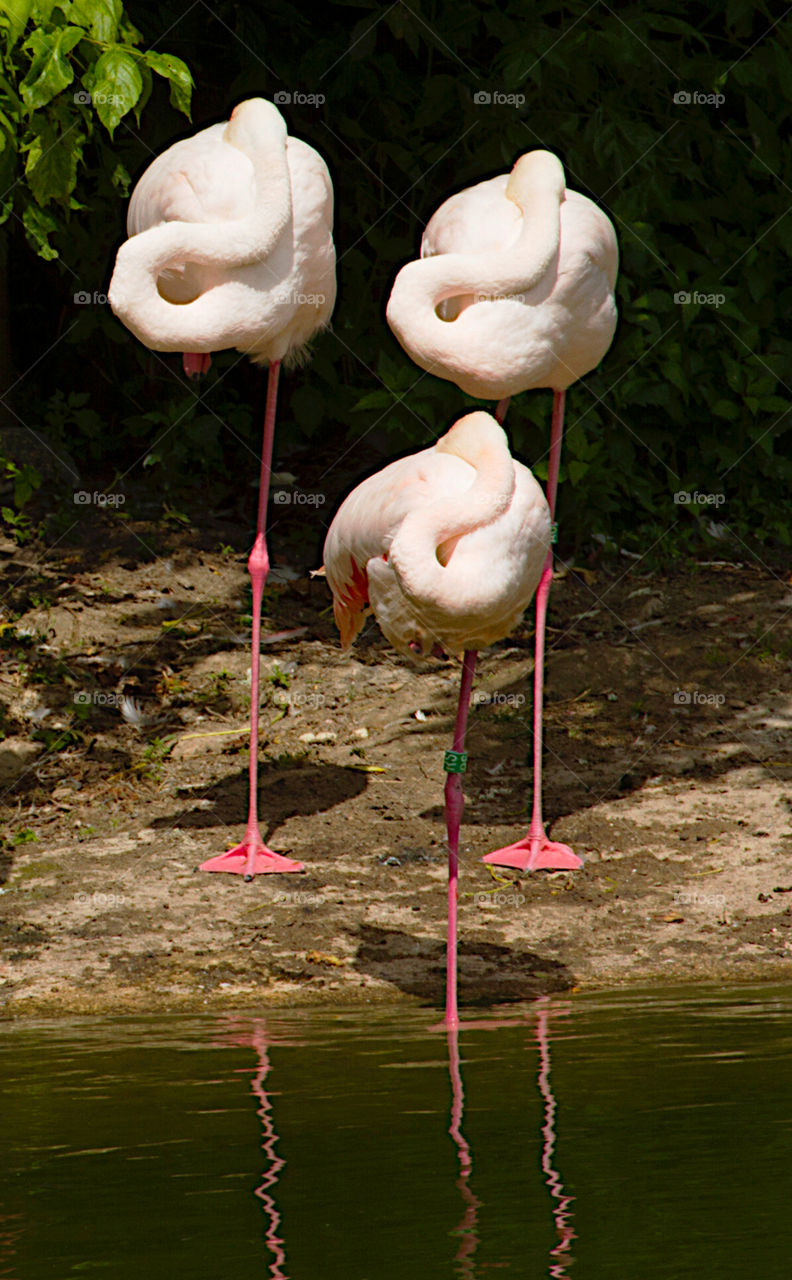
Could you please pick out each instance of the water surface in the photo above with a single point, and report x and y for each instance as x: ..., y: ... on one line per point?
x: 644, y: 1135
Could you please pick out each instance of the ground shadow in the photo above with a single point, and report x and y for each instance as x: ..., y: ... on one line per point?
x: 488, y: 973
x: 285, y: 791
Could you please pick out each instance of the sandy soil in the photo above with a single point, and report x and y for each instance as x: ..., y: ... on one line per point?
x: 680, y: 802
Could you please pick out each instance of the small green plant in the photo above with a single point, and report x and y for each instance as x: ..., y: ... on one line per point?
x: 26, y: 481
x: 19, y: 523
x: 154, y: 757
x: 277, y: 678
x: 25, y: 836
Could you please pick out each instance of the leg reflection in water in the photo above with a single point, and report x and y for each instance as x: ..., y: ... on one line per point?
x: 254, y: 1034
x: 560, y: 1256
x: 272, y: 1172
x: 467, y: 1229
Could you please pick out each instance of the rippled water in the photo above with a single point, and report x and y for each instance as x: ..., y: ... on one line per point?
x: 640, y: 1135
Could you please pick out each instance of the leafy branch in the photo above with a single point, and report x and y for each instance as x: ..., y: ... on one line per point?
x: 46, y: 48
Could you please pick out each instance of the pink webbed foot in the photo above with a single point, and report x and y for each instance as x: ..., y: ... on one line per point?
x: 249, y: 860
x: 535, y: 853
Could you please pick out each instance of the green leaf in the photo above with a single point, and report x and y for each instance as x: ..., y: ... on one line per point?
x: 51, y: 165
x: 49, y: 71
x: 726, y: 409
x: 116, y: 87
x: 40, y: 226
x: 145, y: 94
x: 121, y: 180
x: 178, y: 74
x: 374, y: 400
x: 101, y: 17
x: 14, y: 15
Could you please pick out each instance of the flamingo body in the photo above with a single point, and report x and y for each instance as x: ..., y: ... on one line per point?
x: 447, y: 545
x: 230, y: 243
x: 514, y: 287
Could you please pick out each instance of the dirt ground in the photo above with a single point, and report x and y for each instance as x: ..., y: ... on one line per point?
x: 124, y: 689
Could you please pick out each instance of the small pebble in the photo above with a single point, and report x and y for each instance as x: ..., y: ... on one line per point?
x: 317, y: 737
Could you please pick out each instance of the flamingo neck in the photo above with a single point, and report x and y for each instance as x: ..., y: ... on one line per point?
x: 204, y: 324
x: 422, y: 552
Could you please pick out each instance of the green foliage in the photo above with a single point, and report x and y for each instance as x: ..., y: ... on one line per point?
x: 65, y: 67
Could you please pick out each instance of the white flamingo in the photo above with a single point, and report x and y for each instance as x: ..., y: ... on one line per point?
x: 447, y: 547
x: 514, y: 291
x: 231, y: 246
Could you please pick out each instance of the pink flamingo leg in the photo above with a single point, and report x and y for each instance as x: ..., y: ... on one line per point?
x: 252, y: 857
x: 454, y: 804
x: 196, y: 365
x: 500, y: 409
x: 536, y: 852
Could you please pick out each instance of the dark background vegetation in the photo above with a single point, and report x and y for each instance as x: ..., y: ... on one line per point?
x: 690, y: 397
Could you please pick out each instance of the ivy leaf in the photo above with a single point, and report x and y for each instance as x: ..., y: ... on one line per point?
x: 117, y: 85
x: 40, y: 225
x: 49, y: 71
x: 101, y: 17
x: 14, y: 15
x: 177, y: 73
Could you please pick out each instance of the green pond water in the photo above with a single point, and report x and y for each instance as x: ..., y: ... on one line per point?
x: 642, y: 1134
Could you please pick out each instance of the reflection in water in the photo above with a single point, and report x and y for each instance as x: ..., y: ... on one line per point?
x: 272, y: 1173
x: 467, y: 1227
x: 560, y: 1256
x: 9, y: 1234
x: 255, y: 1034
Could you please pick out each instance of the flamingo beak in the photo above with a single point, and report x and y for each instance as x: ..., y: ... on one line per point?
x: 196, y: 365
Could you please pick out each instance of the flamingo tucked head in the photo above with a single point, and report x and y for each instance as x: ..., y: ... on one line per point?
x: 447, y: 545
x: 230, y: 244
x: 514, y: 286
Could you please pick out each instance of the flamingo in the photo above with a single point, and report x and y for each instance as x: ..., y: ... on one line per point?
x: 514, y: 291
x: 447, y: 546
x: 230, y: 245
